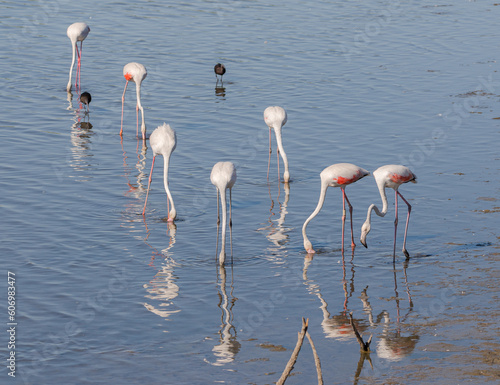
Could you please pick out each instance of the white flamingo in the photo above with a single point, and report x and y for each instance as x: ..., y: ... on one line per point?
x: 389, y: 176
x: 163, y: 141
x: 77, y: 32
x: 336, y: 175
x: 223, y: 177
x: 135, y: 72
x: 275, y: 117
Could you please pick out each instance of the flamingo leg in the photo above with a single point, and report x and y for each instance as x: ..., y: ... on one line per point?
x: 405, y: 266
x: 123, y: 101
x: 407, y: 222
x: 168, y: 210
x: 137, y: 115
x: 344, y: 285
x: 270, y: 150
x: 353, y: 245
x: 343, y: 217
x: 149, y: 185
x: 395, y: 226
x: 278, y: 160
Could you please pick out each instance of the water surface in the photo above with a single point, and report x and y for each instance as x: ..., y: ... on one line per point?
x: 105, y: 295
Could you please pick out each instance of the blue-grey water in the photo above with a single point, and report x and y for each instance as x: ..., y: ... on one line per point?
x: 105, y: 295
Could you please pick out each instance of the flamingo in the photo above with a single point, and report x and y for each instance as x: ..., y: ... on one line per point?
x: 77, y: 32
x: 163, y: 141
x: 219, y: 69
x: 336, y: 175
x: 392, y: 176
x: 275, y: 117
x: 223, y: 177
x: 86, y: 98
x: 137, y: 73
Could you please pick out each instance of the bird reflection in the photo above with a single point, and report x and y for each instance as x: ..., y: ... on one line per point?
x: 80, y: 136
x: 337, y: 326
x: 276, y: 231
x: 228, y: 346
x: 163, y: 288
x: 392, y: 345
x: 138, y: 187
x: 220, y: 92
x: 69, y: 98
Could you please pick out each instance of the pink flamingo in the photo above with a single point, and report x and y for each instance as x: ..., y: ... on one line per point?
x: 275, y: 117
x: 77, y: 32
x: 336, y: 175
x: 391, y: 176
x: 163, y: 141
x: 223, y: 177
x: 137, y: 73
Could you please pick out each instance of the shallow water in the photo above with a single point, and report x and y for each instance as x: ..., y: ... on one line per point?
x: 106, y: 296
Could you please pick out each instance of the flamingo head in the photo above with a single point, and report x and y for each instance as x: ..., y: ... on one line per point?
x: 171, y: 215
x: 308, y: 246
x: 365, y: 229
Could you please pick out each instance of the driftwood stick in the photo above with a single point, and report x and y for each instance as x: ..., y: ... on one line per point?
x: 316, y: 359
x: 295, y: 353
x: 365, y: 347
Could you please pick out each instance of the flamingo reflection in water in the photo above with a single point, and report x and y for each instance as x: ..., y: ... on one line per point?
x: 275, y: 229
x: 136, y: 188
x: 337, y: 326
x: 228, y: 346
x: 392, y: 344
x: 163, y: 288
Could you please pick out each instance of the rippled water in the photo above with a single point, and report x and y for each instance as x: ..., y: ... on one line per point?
x: 106, y: 296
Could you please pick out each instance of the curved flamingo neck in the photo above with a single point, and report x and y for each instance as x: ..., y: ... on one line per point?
x: 166, y: 159
x: 373, y: 207
x: 321, y: 201
x: 222, y: 255
x: 277, y: 131
x: 139, y: 105
x: 73, y: 43
x: 138, y: 93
